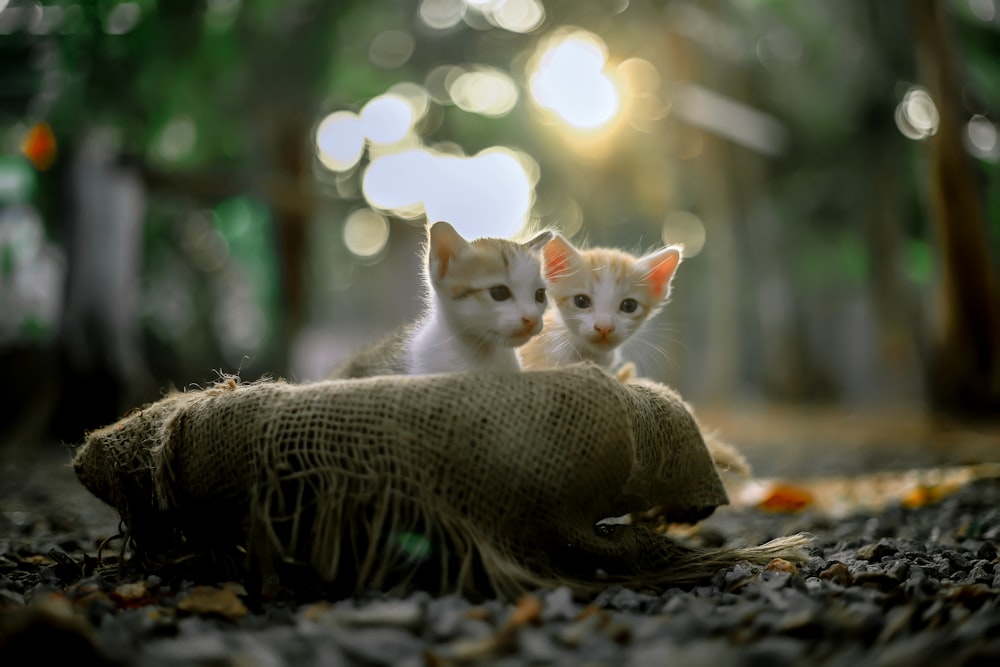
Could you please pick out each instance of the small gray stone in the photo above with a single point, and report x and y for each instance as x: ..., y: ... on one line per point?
x: 987, y: 551
x: 559, y: 605
x: 775, y: 651
x: 380, y: 646
x: 536, y: 645
x: 389, y: 613
x: 876, y: 552
x: 207, y: 648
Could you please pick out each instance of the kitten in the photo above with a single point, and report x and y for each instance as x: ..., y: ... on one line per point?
x: 602, y: 297
x: 484, y: 298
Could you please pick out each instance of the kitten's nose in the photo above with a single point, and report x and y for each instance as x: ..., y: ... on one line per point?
x: 529, y: 322
x: 604, y: 328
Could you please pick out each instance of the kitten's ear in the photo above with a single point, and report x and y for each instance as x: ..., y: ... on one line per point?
x: 560, y: 258
x: 659, y: 267
x: 539, y: 241
x: 445, y: 245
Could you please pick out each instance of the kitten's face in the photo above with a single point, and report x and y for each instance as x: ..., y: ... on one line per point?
x: 604, y: 295
x: 490, y: 289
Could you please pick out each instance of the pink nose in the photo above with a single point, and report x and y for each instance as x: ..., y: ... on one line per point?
x: 529, y: 322
x: 604, y: 329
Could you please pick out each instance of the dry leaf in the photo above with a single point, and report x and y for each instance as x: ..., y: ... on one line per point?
x: 209, y: 600
x: 528, y: 610
x: 131, y: 595
x: 786, y: 498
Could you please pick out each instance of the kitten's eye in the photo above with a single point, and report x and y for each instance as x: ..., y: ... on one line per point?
x: 500, y: 293
x: 629, y: 305
x: 581, y: 301
x: 539, y: 296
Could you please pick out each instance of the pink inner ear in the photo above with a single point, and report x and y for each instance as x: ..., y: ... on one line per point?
x: 661, y: 273
x: 444, y: 245
x: 443, y: 255
x: 558, y: 260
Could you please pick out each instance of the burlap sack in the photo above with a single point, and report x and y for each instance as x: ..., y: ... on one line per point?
x: 479, y: 483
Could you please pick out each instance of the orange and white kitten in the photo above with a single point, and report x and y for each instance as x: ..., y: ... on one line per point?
x: 484, y: 298
x: 602, y: 297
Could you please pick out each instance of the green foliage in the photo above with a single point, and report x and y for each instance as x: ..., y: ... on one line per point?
x: 206, y: 93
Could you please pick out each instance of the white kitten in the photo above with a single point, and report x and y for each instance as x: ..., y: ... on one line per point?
x: 602, y: 297
x: 484, y: 298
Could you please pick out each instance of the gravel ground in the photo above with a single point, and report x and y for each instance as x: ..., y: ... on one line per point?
x: 900, y: 587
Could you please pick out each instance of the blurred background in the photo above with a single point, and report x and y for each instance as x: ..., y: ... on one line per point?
x: 190, y: 187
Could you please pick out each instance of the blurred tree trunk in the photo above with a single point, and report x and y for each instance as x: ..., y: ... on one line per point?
x: 105, y: 371
x: 293, y: 203
x: 721, y: 365
x: 898, y: 368
x: 964, y: 373
x: 785, y: 369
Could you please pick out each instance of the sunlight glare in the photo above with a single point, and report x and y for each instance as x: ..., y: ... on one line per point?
x: 340, y: 140
x: 488, y: 194
x: 569, y: 79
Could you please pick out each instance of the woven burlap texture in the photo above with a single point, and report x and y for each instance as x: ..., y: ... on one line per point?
x: 500, y: 479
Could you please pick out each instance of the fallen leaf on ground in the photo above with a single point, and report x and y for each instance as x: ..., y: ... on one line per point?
x: 209, y: 600
x: 786, y: 498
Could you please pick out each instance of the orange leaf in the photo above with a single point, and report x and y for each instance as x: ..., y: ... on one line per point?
x: 39, y: 146
x: 785, y: 498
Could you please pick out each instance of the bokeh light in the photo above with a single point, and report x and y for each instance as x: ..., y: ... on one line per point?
x: 239, y: 322
x: 981, y: 138
x: 917, y: 116
x: 167, y: 303
x: 485, y: 91
x: 122, y: 18
x: 340, y: 140
x: 489, y: 194
x: 644, y: 102
x: 439, y: 79
x: 391, y: 49
x: 568, y: 77
x: 32, y: 276
x: 686, y: 228
x: 521, y: 16
x: 177, y: 139
x: 441, y: 14
x: 366, y: 233
x: 17, y: 180
x: 221, y: 14
x: 386, y: 119
x: 416, y: 95
x: 984, y: 10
